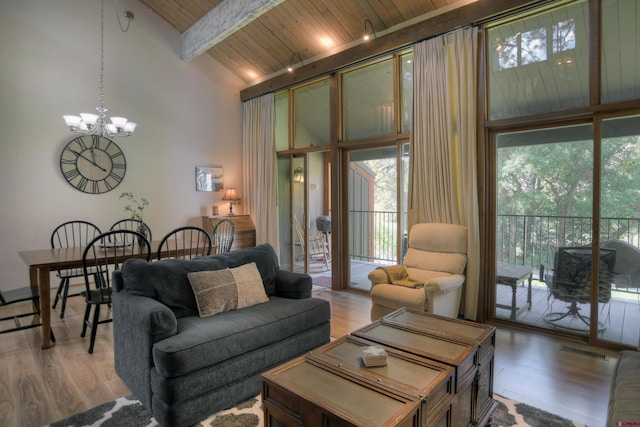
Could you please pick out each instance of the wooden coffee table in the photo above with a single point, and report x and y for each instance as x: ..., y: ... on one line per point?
x: 432, y: 377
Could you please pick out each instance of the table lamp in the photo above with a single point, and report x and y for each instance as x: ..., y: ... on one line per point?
x: 230, y: 195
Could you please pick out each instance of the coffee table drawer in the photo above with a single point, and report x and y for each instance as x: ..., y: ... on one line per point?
x: 305, y: 394
x: 426, y: 380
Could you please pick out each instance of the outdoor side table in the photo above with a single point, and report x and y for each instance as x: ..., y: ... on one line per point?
x: 512, y: 275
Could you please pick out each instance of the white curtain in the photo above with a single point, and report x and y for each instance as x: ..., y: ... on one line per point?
x: 443, y: 185
x: 260, y: 168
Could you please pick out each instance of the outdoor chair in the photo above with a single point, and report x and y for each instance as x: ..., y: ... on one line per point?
x: 431, y: 277
x: 626, y: 277
x: 316, y: 247
x: 570, y: 282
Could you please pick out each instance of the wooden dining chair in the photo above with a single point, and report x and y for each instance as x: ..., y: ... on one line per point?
x: 185, y: 243
x: 222, y: 235
x: 70, y: 234
x: 133, y: 225
x: 106, y: 254
x: 21, y: 295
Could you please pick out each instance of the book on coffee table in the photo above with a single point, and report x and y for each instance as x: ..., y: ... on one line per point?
x: 374, y: 355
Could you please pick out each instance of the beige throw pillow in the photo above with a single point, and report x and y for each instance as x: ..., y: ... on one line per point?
x: 218, y: 291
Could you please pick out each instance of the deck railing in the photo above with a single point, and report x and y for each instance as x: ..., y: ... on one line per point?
x: 374, y: 236
x: 520, y: 239
x: 532, y: 240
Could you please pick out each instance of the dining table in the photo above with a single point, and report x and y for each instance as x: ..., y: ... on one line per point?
x: 42, y: 262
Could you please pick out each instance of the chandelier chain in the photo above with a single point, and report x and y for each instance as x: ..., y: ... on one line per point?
x: 127, y: 15
x: 102, y: 55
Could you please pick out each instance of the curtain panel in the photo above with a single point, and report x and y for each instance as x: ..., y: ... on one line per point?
x: 443, y: 184
x: 260, y: 168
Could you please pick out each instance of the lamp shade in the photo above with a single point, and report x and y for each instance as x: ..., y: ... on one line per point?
x: 230, y: 194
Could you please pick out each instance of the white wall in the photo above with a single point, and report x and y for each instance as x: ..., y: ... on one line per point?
x: 188, y: 114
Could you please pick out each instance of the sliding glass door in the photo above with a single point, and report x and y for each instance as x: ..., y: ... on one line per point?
x: 550, y: 272
x: 377, y: 210
x: 544, y: 200
x: 620, y: 228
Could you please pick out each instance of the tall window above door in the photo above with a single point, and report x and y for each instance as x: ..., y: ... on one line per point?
x: 539, y: 64
x: 367, y: 101
x: 406, y: 91
x: 620, y: 50
x: 281, y: 101
x: 311, y: 115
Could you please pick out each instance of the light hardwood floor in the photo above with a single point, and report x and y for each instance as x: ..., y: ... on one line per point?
x: 38, y: 387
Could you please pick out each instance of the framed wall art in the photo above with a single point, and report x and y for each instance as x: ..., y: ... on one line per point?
x: 209, y: 178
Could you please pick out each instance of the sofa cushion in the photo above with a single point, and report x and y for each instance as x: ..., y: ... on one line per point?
x: 166, y: 280
x: 206, y: 341
x: 435, y: 261
x: 265, y: 258
x: 218, y: 291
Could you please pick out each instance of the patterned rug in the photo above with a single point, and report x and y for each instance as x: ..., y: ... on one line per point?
x: 128, y: 412
x: 325, y: 281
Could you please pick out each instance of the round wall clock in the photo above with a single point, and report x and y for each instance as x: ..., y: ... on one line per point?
x: 93, y: 164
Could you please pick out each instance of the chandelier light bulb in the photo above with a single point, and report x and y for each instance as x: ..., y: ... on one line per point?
x: 119, y: 121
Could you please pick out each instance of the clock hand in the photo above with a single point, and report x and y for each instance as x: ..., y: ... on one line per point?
x: 89, y: 160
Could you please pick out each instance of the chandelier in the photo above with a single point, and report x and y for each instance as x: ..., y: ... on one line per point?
x: 97, y: 124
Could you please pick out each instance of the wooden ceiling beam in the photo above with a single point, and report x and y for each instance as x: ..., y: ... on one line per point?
x: 220, y: 22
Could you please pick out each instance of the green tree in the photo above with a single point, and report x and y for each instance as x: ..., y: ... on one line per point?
x: 557, y: 179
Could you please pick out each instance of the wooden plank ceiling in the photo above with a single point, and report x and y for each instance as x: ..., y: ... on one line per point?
x: 263, y: 45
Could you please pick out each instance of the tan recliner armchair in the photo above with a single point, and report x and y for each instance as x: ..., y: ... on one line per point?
x: 435, y: 263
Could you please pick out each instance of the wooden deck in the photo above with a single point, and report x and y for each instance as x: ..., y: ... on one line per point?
x: 619, y: 318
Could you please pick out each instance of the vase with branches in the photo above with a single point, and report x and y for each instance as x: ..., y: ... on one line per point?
x: 135, y: 207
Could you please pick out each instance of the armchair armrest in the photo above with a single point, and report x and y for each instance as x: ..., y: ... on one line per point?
x: 294, y: 285
x: 444, y: 284
x: 377, y: 277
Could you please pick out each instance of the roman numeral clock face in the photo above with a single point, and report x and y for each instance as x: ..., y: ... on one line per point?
x: 93, y: 164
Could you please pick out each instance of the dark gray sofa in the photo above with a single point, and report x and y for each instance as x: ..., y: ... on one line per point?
x: 183, y: 367
x: 624, y: 395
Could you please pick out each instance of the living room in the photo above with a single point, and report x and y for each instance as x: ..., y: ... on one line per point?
x: 188, y: 113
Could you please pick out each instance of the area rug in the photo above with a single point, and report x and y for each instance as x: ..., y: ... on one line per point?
x: 325, y: 281
x: 128, y: 412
